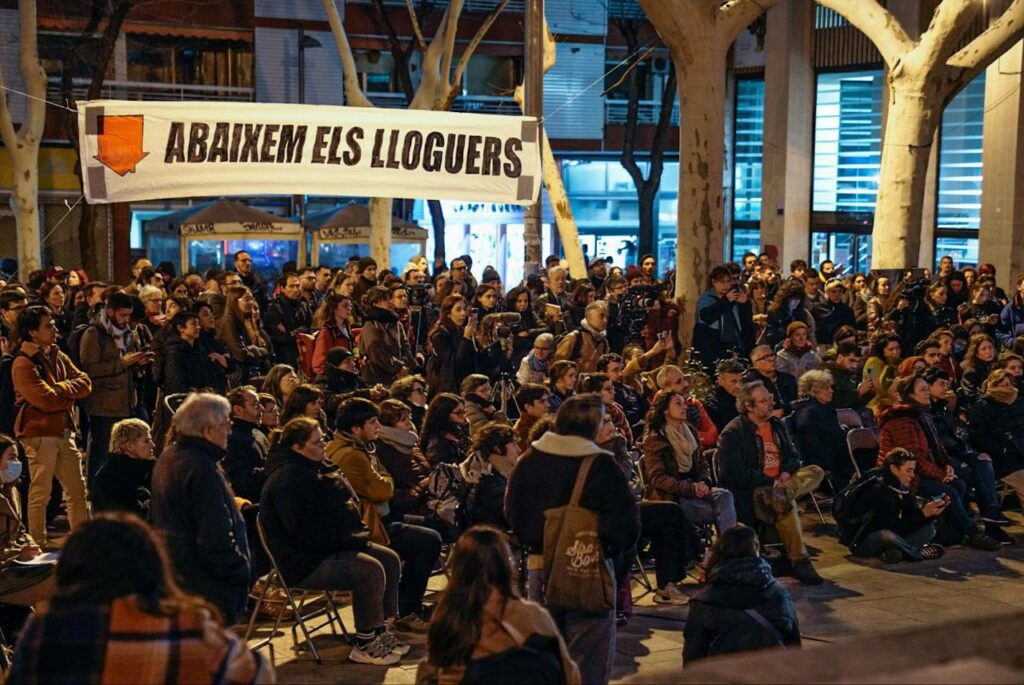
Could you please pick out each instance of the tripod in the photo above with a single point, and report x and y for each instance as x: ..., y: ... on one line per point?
x: 503, y: 392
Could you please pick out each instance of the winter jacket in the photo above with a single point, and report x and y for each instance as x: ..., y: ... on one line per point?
x: 113, y: 383
x: 783, y: 388
x: 46, y: 386
x: 123, y: 484
x: 329, y: 337
x: 480, y: 412
x: 245, y: 461
x: 451, y: 360
x: 902, y: 425
x: 721, y: 407
x: 384, y: 344
x: 282, y: 320
x: 829, y: 317
x: 252, y: 355
x: 664, y: 482
x: 543, y: 479
x: 484, y: 503
x: 741, y: 462
x: 971, y: 380
x: 779, y: 320
x: 1011, y: 322
x: 845, y: 384
x: 718, y: 622
x: 721, y: 327
x: 409, y: 470
x: 994, y: 429
x: 580, y: 346
x: 307, y: 515
x: 446, y: 449
x: 215, y: 375
x: 819, y: 438
x: 891, y: 507
x: 361, y: 468
x: 194, y: 509
x: 797, y: 363
x: 183, y: 367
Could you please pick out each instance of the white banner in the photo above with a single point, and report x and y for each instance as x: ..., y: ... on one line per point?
x: 155, y: 150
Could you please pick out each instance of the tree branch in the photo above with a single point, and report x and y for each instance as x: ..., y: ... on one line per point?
x: 460, y: 68
x: 399, y: 54
x: 417, y: 31
x: 629, y: 31
x: 7, y: 133
x: 668, y: 101
x: 353, y: 93
x: 875, y: 22
x: 992, y: 42
x: 107, y: 44
x: 450, y: 34
x: 736, y: 15
x: 949, y: 21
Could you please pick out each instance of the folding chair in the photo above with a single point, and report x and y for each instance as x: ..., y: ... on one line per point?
x: 787, y: 423
x: 861, y: 439
x: 850, y: 418
x: 275, y: 579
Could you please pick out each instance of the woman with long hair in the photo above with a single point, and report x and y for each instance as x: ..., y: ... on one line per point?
x: 583, y: 293
x: 757, y: 295
x: 562, y: 378
x: 882, y: 366
x: 245, y: 343
x: 333, y: 319
x: 878, y: 304
x: 743, y: 607
x: 445, y: 436
x: 280, y: 381
x: 306, y: 400
x: 216, y: 359
x: 480, y: 618
x: 520, y: 301
x: 450, y: 348
x: 487, y: 300
x: 118, y: 616
x: 979, y: 360
x: 938, y: 303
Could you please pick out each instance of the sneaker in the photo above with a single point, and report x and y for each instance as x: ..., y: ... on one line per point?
x: 998, y: 534
x: 932, y: 551
x: 981, y: 541
x: 892, y: 556
x: 997, y: 518
x: 391, y: 642
x: 670, y: 594
x: 805, y: 573
x: 375, y: 652
x: 621, y: 618
x: 410, y: 624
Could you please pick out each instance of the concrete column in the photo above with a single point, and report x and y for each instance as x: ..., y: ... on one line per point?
x: 1002, y: 185
x: 788, y: 131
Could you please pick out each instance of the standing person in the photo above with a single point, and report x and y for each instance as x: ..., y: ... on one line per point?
x: 109, y: 352
x: 46, y: 387
x: 366, y: 278
x: 383, y: 341
x: 832, y: 313
x: 743, y: 607
x: 287, y: 315
x: 194, y: 509
x: 245, y: 462
x: 543, y: 479
x: 251, y: 278
x: 248, y: 347
x: 450, y: 346
x: 470, y: 640
x: 332, y: 321
x: 724, y: 323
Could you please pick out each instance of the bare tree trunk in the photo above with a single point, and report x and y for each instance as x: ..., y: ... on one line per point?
x: 438, y: 222
x: 380, y: 231
x: 25, y: 205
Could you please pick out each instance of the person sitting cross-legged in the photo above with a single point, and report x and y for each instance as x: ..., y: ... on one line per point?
x: 760, y: 466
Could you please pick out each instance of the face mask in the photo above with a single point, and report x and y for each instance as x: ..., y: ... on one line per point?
x: 11, y: 473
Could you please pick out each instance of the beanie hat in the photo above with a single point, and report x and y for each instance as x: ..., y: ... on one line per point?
x: 365, y: 263
x: 794, y: 327
x: 336, y: 356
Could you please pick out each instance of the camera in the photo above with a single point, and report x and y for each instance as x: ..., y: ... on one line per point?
x: 914, y: 289
x: 418, y: 294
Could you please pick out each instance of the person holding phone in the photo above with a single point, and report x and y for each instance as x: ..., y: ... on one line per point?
x: 885, y: 520
x: 882, y: 367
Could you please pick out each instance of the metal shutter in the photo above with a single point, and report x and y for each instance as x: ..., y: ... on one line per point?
x: 577, y: 17
x: 577, y: 74
x: 9, y: 32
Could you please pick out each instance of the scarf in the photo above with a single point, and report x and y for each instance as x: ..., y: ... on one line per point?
x: 1003, y: 395
x: 683, y: 444
x: 121, y: 336
x: 537, y: 365
x: 598, y: 335
x: 401, y: 440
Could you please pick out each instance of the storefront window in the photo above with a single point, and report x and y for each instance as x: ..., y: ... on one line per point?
x: 268, y: 256
x: 963, y: 250
x: 749, y: 132
x: 850, y: 252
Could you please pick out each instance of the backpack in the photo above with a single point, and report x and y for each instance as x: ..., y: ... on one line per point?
x: 8, y: 410
x: 75, y: 344
x: 850, y: 517
x: 306, y: 344
x: 577, y: 344
x: 445, y: 489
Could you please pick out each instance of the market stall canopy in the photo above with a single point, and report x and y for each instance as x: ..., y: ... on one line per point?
x: 353, y: 221
x: 224, y: 217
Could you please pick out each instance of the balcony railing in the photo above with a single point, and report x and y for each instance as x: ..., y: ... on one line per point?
x: 647, y: 113
x: 468, y: 5
x: 477, y: 104
x: 140, y: 90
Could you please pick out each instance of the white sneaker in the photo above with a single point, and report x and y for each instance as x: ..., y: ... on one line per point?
x: 396, y: 647
x: 671, y: 594
x: 376, y: 652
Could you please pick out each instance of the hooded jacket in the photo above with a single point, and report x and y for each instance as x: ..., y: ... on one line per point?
x: 709, y: 327
x: 385, y: 346
x: 543, y: 479
x: 719, y: 623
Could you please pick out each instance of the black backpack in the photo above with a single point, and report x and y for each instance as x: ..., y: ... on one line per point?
x: 851, y: 518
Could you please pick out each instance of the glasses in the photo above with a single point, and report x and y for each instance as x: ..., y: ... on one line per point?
x: 418, y: 389
x: 767, y: 357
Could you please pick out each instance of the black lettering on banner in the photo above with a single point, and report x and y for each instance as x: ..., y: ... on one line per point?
x: 236, y: 139
x: 411, y: 150
x: 433, y: 156
x: 492, y: 156
x: 269, y: 141
x: 514, y: 166
x: 250, y: 150
x: 392, y: 162
x: 319, y: 143
x: 473, y: 155
x: 197, y: 136
x: 175, y: 151
x: 293, y: 139
x: 355, y: 151
x: 332, y: 154
x: 378, y: 142
x: 454, y: 152
x: 219, y: 144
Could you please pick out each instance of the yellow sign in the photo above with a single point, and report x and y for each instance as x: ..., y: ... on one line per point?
x: 56, y: 170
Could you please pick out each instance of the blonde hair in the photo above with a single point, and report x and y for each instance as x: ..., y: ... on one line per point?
x: 127, y: 431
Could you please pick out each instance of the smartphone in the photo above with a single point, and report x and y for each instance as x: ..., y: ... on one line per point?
x: 938, y: 498
x: 475, y: 312
x: 662, y: 335
x: 869, y: 373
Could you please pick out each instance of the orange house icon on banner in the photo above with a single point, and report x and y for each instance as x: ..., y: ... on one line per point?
x: 120, y: 142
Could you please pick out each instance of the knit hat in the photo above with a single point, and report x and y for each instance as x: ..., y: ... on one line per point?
x: 365, y: 263
x: 794, y: 327
x: 490, y: 274
x: 336, y: 356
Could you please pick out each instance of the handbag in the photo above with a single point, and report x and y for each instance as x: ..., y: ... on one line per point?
x: 577, y: 573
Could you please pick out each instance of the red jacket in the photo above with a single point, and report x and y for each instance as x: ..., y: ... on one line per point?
x: 329, y: 337
x: 46, y: 385
x: 901, y: 427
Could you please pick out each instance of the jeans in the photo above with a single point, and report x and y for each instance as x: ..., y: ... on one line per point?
x: 371, y: 575
x: 875, y: 543
x: 956, y: 512
x: 48, y: 457
x: 803, y: 482
x: 418, y: 548
x: 100, y: 428
x: 664, y: 524
x: 591, y: 641
x: 981, y: 474
x: 717, y: 508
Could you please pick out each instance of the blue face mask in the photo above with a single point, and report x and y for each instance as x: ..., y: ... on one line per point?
x: 11, y: 473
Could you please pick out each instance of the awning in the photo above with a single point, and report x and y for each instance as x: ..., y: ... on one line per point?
x: 224, y: 217
x: 353, y: 221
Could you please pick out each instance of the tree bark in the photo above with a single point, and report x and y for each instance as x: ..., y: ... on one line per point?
x: 438, y: 222
x: 25, y: 205
x: 380, y: 231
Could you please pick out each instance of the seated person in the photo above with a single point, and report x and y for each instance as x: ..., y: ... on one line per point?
x: 797, y: 355
x: 884, y: 519
x: 135, y: 625
x: 354, y: 453
x: 996, y: 424
x: 759, y: 465
x: 123, y: 483
x: 314, y: 531
x: 743, y: 607
x: 819, y: 437
x: 721, y: 403
x: 398, y: 450
x: 495, y: 453
x: 672, y: 378
x: 245, y: 459
x: 848, y: 390
x: 19, y: 585
x: 532, y: 399
x: 781, y: 386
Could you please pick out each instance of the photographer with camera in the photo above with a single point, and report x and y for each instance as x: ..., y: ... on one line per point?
x: 724, y: 323
x: 912, y: 316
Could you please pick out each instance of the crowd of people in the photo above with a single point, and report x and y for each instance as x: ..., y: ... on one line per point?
x: 375, y: 429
